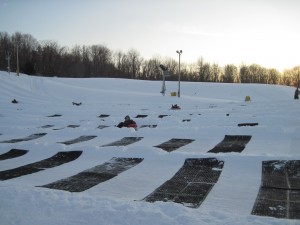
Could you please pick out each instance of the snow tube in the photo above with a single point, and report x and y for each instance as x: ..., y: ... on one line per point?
x: 133, y: 125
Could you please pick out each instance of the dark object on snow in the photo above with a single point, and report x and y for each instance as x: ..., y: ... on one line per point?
x: 79, y: 139
x: 127, y: 123
x: 58, y: 159
x: 191, y: 184
x: 13, y: 153
x: 175, y: 106
x: 14, y: 101
x: 103, y: 115
x: 150, y: 126
x: 28, y: 138
x: 124, y: 141
x: 173, y: 144
x: 232, y: 143
x: 247, y: 124
x: 296, y: 96
x: 95, y: 175
x: 55, y: 115
x: 162, y: 116
x: 74, y: 103
x: 279, y: 191
x: 141, y: 116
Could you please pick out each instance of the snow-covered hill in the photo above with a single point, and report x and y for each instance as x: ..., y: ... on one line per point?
x: 209, y: 111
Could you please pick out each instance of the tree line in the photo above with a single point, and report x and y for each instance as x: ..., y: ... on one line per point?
x: 48, y: 58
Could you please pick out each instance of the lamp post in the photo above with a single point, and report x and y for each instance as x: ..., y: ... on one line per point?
x: 179, y: 53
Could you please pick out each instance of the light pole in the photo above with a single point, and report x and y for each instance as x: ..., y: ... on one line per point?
x: 179, y: 53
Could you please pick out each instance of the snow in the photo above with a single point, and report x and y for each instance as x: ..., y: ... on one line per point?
x: 214, y: 109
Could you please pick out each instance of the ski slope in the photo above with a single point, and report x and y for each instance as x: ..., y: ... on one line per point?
x: 209, y: 111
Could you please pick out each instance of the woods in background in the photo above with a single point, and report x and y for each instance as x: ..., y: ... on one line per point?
x: 48, y: 58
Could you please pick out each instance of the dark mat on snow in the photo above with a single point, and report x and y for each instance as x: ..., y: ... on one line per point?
x: 279, y: 193
x: 162, y: 116
x: 69, y: 126
x: 174, y: 144
x: 247, y: 124
x: 93, y: 176
x: 102, y: 126
x: 56, y: 160
x: 79, y: 139
x: 46, y: 126
x: 140, y: 116
x: 124, y: 141
x: 13, y: 153
x: 103, y: 115
x: 232, y: 143
x: 191, y: 184
x: 149, y: 126
x: 73, y: 126
x: 55, y: 115
x: 30, y: 137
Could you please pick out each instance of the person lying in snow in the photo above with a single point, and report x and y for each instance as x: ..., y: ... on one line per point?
x: 175, y: 106
x: 127, y: 123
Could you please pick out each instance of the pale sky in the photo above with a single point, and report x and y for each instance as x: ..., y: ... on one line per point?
x: 266, y: 32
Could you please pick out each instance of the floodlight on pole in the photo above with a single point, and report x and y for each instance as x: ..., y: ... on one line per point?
x: 179, y: 53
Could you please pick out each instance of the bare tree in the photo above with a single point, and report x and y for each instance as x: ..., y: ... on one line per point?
x: 102, y: 59
x: 135, y: 62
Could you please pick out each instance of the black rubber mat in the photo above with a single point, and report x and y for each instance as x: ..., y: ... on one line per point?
x: 279, y: 194
x: 162, y: 116
x: 92, y: 177
x: 247, y: 124
x: 30, y: 137
x: 140, y: 116
x: 73, y: 126
x: 13, y: 153
x: 191, y: 184
x: 103, y: 116
x: 232, y: 143
x: 149, y: 126
x: 124, y: 141
x: 55, y: 115
x: 174, y: 144
x: 102, y: 126
x: 56, y: 160
x: 46, y: 126
x: 79, y: 139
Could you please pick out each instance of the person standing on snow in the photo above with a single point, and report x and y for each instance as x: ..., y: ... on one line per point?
x: 127, y: 123
x: 296, y: 96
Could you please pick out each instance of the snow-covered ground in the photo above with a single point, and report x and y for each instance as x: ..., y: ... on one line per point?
x: 214, y: 110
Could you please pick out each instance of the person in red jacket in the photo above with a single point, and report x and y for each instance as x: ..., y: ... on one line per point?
x: 127, y: 123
